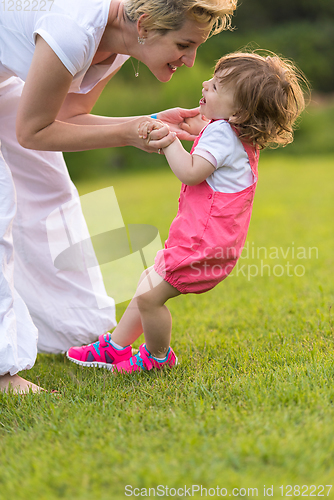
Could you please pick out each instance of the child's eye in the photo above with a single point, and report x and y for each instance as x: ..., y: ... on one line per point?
x: 214, y: 87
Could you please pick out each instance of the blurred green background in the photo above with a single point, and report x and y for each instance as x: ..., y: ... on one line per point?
x: 301, y: 30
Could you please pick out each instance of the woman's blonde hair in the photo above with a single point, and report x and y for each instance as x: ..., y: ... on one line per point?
x: 164, y: 15
x: 268, y: 93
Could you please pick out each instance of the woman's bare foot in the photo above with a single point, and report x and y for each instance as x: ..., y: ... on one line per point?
x: 17, y: 385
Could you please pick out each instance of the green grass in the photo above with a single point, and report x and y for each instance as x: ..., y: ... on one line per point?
x: 251, y: 402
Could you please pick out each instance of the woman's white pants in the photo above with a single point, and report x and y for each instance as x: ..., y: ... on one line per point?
x: 40, y: 306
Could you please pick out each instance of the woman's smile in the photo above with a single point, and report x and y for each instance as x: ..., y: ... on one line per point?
x: 172, y: 67
x: 180, y: 46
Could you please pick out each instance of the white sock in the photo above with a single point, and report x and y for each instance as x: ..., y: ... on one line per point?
x: 161, y: 359
x: 117, y: 346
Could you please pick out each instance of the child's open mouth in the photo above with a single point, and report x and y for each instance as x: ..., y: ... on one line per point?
x: 202, y: 101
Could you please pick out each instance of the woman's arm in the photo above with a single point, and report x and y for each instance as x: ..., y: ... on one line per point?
x: 186, y: 123
x: 45, y: 91
x: 76, y: 108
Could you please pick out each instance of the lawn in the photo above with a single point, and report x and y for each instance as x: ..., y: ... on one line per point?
x: 250, y: 405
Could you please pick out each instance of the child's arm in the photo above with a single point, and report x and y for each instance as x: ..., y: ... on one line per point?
x: 189, y: 169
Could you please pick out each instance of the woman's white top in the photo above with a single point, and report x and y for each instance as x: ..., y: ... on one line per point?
x: 72, y: 28
x: 220, y: 145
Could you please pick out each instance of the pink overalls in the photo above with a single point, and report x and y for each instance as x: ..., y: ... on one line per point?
x: 207, y: 235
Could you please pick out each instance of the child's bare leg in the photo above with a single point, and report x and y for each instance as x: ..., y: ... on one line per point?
x: 17, y: 384
x: 155, y: 317
x: 147, y: 312
x: 130, y: 327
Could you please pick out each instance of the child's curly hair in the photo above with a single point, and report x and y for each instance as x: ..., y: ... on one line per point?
x: 268, y: 95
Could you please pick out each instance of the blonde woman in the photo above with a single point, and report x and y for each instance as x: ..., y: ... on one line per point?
x: 54, y: 64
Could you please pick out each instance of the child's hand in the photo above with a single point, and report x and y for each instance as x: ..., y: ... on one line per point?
x: 145, y: 128
x: 153, y: 132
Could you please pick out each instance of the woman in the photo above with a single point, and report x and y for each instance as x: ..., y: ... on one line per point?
x: 66, y: 57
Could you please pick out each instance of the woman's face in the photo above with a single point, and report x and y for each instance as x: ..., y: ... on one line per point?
x: 163, y: 54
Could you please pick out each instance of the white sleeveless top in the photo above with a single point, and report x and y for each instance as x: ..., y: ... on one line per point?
x: 72, y: 28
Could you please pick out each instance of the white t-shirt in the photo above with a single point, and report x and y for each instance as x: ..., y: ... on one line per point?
x: 220, y: 145
x: 72, y: 28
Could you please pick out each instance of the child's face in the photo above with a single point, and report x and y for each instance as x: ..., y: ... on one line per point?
x: 218, y: 100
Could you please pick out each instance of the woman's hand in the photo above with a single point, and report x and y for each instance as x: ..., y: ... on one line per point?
x: 187, y: 123
x: 194, y: 124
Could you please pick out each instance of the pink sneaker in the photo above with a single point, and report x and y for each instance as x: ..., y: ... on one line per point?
x: 145, y: 361
x: 101, y: 353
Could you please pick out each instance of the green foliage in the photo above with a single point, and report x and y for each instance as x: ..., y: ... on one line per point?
x: 127, y: 96
x: 251, y: 402
x: 314, y: 134
x: 308, y: 43
x: 301, y: 30
x: 260, y: 13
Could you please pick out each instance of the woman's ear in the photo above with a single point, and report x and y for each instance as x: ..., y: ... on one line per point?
x: 142, y: 31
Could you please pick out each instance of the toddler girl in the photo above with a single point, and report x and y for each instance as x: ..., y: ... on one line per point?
x: 252, y: 101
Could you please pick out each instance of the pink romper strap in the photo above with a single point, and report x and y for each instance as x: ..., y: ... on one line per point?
x: 252, y: 152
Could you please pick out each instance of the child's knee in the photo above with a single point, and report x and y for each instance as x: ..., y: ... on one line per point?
x: 144, y: 275
x: 144, y: 302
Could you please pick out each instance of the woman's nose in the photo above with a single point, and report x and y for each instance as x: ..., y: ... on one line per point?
x: 189, y: 59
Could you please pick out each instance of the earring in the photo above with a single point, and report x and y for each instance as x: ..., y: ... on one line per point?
x: 141, y: 40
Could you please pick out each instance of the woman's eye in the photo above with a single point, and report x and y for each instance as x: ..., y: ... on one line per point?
x: 182, y: 47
